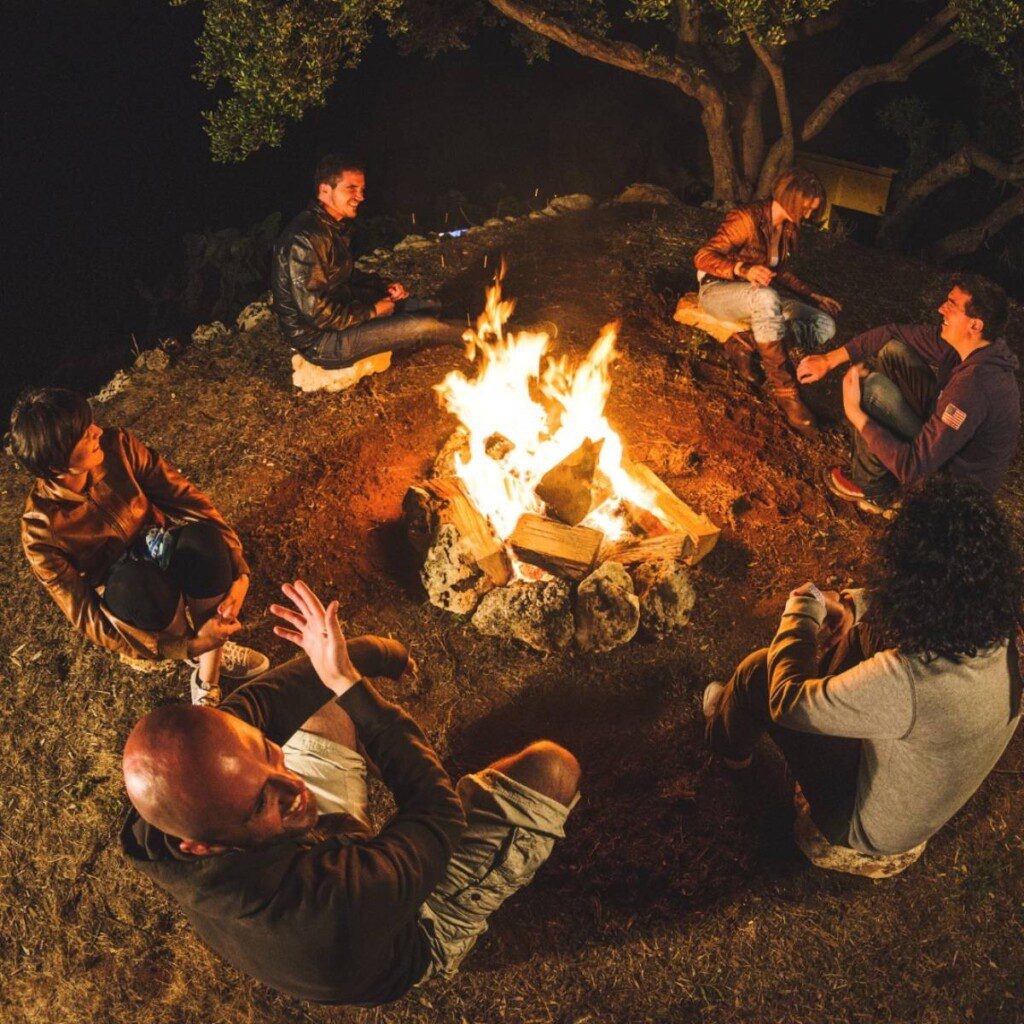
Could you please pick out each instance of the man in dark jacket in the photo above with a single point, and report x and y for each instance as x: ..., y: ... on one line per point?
x: 910, y: 420
x: 228, y: 821
x: 332, y: 314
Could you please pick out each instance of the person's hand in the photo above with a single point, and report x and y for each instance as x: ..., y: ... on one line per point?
x: 317, y: 631
x: 384, y: 308
x: 759, y: 275
x: 411, y: 675
x: 851, y: 396
x: 213, y: 633
x: 812, y: 369
x: 233, y: 600
x: 831, y: 306
x: 397, y: 292
x: 838, y: 618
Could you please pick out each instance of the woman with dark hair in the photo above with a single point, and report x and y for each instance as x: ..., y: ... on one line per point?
x: 136, y: 557
x: 891, y: 704
x: 743, y: 277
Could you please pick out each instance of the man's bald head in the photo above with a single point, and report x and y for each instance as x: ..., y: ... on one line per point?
x: 200, y: 774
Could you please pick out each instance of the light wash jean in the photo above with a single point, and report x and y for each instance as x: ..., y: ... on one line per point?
x: 768, y: 312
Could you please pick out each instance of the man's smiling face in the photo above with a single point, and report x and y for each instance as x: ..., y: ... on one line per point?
x: 958, y: 326
x: 258, y: 798
x: 342, y: 199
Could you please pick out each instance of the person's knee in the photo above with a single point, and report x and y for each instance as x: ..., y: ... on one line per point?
x: 766, y: 302
x: 140, y: 594
x: 894, y: 353
x: 547, y: 768
x: 824, y: 328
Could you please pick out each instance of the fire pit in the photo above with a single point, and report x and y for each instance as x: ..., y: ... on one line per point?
x: 535, y: 522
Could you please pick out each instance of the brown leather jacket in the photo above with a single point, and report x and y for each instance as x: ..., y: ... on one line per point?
x: 71, y: 540
x: 745, y: 237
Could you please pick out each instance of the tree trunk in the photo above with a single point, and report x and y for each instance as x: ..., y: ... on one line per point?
x: 970, y: 239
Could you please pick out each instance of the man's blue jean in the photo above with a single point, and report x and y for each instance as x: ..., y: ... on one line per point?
x: 900, y: 396
x: 767, y: 311
x: 415, y: 326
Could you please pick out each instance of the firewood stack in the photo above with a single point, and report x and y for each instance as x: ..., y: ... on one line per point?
x: 571, y: 583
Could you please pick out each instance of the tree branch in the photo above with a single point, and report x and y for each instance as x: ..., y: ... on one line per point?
x: 910, y: 56
x: 969, y: 239
x: 687, y: 25
x: 956, y: 165
x: 781, y: 153
x: 751, y: 127
x: 688, y: 75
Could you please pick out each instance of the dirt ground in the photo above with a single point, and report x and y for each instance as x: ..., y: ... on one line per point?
x: 678, y: 895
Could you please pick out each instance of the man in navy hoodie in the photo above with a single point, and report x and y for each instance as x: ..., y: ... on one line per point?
x: 941, y: 398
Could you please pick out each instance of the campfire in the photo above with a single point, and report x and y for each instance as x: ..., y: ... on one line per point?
x: 535, y: 521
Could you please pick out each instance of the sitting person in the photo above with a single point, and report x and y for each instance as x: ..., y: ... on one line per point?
x: 891, y: 705
x: 743, y: 276
x: 126, y: 546
x: 332, y: 314
x: 253, y: 816
x: 910, y: 421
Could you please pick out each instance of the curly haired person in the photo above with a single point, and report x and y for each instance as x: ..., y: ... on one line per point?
x: 891, y: 704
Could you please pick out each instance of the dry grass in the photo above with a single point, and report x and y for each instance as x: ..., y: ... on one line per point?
x: 678, y: 895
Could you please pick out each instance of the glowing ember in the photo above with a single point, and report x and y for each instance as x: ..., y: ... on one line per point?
x: 543, y: 408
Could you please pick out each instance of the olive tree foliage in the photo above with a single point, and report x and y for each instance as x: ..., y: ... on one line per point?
x: 277, y: 58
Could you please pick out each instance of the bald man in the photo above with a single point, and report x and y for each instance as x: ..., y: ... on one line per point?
x: 253, y: 816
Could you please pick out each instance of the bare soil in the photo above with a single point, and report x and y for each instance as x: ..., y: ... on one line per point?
x: 679, y: 895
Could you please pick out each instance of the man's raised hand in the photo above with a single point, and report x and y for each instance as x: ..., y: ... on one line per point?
x: 317, y: 631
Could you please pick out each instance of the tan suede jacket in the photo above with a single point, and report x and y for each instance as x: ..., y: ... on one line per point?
x: 744, y: 238
x: 71, y: 540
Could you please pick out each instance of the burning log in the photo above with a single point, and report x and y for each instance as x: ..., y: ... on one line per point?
x: 666, y: 547
x: 701, y: 531
x: 432, y: 503
x: 568, y: 488
x: 569, y: 551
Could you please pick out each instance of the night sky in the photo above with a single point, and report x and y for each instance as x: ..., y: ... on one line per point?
x: 107, y: 166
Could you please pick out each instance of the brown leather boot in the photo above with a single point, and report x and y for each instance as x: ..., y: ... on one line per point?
x: 783, y: 388
x: 741, y: 351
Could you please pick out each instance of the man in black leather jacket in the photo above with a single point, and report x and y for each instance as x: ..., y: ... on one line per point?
x: 331, y: 313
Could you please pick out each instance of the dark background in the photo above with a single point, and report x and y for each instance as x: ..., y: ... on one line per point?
x: 107, y: 166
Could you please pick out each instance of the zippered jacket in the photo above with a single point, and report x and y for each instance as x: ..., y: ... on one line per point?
x: 974, y: 429
x: 330, y: 916
x: 72, y: 540
x: 316, y: 288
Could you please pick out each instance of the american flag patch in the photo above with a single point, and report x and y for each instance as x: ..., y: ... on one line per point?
x: 953, y: 416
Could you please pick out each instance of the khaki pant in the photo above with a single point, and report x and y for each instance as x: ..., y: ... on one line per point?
x: 511, y: 831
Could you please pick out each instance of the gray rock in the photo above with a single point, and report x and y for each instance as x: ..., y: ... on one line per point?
x: 449, y: 574
x: 494, y: 222
x: 206, y: 334
x: 154, y: 359
x: 256, y: 314
x: 570, y: 204
x: 536, y: 215
x: 643, y: 192
x: 413, y: 242
x: 538, y: 614
x: 118, y: 383
x: 666, y: 595
x: 607, y: 610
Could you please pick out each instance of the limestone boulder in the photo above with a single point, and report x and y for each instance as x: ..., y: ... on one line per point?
x: 450, y: 576
x: 607, y: 609
x: 210, y: 334
x: 666, y: 596
x: 644, y: 192
x: 538, y: 614
x: 569, y: 204
x: 255, y: 315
